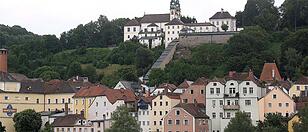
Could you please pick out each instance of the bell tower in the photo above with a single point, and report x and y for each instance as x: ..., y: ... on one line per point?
x: 3, y: 60
x: 175, y: 9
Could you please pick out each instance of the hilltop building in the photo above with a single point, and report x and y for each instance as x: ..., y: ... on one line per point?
x: 156, y: 29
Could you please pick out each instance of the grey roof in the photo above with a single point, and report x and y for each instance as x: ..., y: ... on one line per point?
x: 133, y: 22
x: 67, y: 121
x: 32, y: 87
x: 175, y: 21
x: 155, y: 18
x: 199, y: 24
x: 131, y: 85
x: 222, y: 15
x: 152, y: 25
x: 196, y: 110
x: 6, y: 77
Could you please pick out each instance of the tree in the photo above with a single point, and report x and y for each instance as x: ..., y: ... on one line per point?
x: 49, y: 75
x: 2, y: 128
x: 144, y: 57
x: 302, y: 126
x: 273, y: 123
x: 240, y: 123
x: 128, y: 74
x: 48, y: 128
x: 304, y: 66
x: 90, y: 72
x: 292, y: 62
x: 188, y: 19
x: 298, y: 41
x: 224, y: 27
x: 239, y: 19
x: 123, y: 121
x: 74, y: 69
x: 27, y: 121
x: 156, y: 77
x: 294, y: 13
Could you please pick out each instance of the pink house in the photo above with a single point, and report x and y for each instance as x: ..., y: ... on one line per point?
x: 195, y: 93
x: 187, y: 118
x: 276, y: 101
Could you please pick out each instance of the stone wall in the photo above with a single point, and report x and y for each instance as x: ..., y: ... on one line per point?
x: 194, y: 39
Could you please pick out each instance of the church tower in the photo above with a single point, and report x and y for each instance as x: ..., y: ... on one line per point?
x: 175, y: 9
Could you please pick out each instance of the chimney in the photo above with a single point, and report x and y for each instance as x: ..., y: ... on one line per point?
x: 222, y: 10
x: 273, y: 74
x: 3, y: 60
x: 66, y: 108
x: 231, y: 73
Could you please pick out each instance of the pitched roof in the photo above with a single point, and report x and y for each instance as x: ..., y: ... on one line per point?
x: 32, y: 86
x: 171, y: 87
x: 120, y: 94
x: 152, y: 25
x: 201, y: 81
x: 19, y: 77
x: 131, y: 85
x: 243, y: 76
x: 6, y: 77
x: 58, y: 86
x: 155, y: 18
x: 185, y: 84
x: 67, y: 121
x: 199, y: 24
x: 173, y: 95
x: 302, y: 80
x: 175, y: 21
x: 196, y: 110
x: 270, y: 72
x: 133, y: 22
x: 148, y: 99
x: 222, y: 15
x: 90, y: 91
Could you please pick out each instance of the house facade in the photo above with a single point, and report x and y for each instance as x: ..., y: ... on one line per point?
x: 276, y: 101
x: 225, y: 97
x: 298, y: 87
x: 187, y: 118
x: 144, y: 108
x: 195, y: 93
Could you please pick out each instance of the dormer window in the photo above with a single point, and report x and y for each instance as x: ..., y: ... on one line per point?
x: 231, y: 84
x: 214, y: 84
x: 247, y: 83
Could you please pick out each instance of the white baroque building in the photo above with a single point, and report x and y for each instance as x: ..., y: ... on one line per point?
x: 156, y: 29
x: 236, y: 92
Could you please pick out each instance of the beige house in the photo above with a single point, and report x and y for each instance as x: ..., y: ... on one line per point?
x: 276, y: 101
x: 161, y: 105
x: 298, y: 87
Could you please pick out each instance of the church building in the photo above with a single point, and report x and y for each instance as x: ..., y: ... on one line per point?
x: 156, y: 29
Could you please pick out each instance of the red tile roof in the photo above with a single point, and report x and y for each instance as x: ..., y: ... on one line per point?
x: 186, y: 84
x: 91, y: 91
x: 196, y: 110
x: 67, y: 121
x: 171, y: 87
x: 201, y: 81
x: 270, y: 72
x: 302, y: 80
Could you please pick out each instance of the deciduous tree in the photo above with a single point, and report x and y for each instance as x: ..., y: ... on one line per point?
x: 27, y: 121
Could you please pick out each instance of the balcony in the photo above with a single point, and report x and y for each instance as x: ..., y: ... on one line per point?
x: 235, y: 95
x: 231, y: 107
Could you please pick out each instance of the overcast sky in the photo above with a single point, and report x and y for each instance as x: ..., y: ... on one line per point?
x: 56, y: 16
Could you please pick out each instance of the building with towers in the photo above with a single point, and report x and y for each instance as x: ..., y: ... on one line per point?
x: 157, y: 29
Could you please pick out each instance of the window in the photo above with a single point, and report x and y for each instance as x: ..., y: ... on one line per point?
x: 270, y: 105
x: 247, y: 102
x: 202, y: 92
x: 143, y: 123
x: 274, y: 96
x: 69, y: 100
x: 160, y: 122
x: 221, y: 115
x: 191, y: 91
x: 6, y: 97
x: 280, y: 104
x: 96, y: 104
x: 128, y: 36
x: 49, y: 101
x: 152, y: 29
x: 212, y: 90
x: 217, y: 90
x: 214, y: 115
x: 166, y: 112
x: 161, y: 103
x: 160, y: 113
x: 168, y: 33
x: 143, y: 112
x: 154, y: 103
x: 154, y: 123
x: 104, y: 103
x: 236, y: 102
x: 177, y: 112
x: 63, y: 101
x: 247, y: 83
x: 287, y: 104
x: 139, y: 112
x: 248, y: 114
x: 172, y: 27
x: 221, y: 102
x: 128, y: 29
x: 232, y: 90
x: 172, y: 32
x: 178, y: 27
x: 168, y: 27
x: 26, y: 98
x: 245, y: 90
x: 56, y: 101
x: 169, y: 122
x: 214, y: 84
x: 166, y: 103
x: 154, y: 112
x: 213, y: 103
x: 228, y: 115
x: 185, y: 122
x: 228, y: 102
x: 160, y: 97
x: 76, y: 102
x: 83, y: 101
x: 134, y: 29
x: 298, y: 88
x: 217, y: 23
x: 37, y: 101
x: 251, y: 90
x: 177, y: 122
x: 185, y: 100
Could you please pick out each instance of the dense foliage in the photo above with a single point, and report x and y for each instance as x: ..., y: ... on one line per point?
x: 273, y: 122
x: 27, y: 121
x: 123, y: 121
x: 240, y: 123
x: 2, y: 128
x: 303, y: 119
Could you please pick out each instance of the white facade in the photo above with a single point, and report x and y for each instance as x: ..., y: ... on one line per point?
x: 219, y: 22
x: 172, y: 32
x: 130, y: 32
x: 223, y: 100
x: 144, y: 119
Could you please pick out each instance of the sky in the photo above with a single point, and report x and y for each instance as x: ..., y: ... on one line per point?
x: 56, y: 16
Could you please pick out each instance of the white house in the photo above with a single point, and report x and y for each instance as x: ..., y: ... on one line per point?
x: 144, y: 107
x: 221, y: 18
x: 236, y: 92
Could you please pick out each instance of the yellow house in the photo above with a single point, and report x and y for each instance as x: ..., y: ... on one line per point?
x: 161, y: 105
x: 17, y: 96
x: 299, y: 86
x: 84, y: 98
x: 294, y: 119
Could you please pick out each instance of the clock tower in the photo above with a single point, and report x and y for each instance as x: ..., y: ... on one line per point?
x: 175, y: 9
